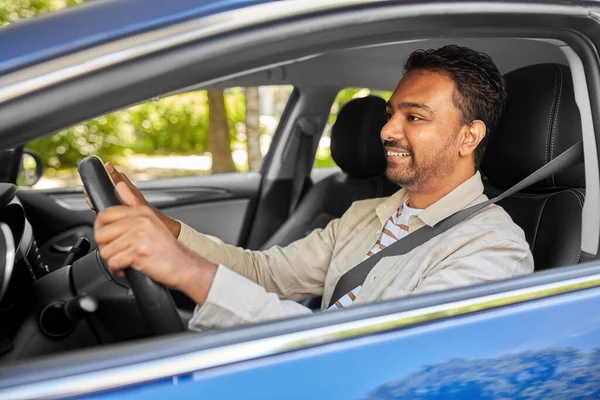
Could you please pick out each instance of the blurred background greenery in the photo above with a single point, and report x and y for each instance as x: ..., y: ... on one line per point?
x: 216, y: 131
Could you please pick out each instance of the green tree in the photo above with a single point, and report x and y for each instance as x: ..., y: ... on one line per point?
x: 175, y: 124
x: 104, y: 136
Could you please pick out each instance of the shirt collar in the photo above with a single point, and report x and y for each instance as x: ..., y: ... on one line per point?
x: 459, y: 198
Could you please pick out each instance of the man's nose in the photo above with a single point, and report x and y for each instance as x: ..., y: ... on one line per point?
x: 392, y: 130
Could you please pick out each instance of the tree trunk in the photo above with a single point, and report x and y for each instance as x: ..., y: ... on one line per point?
x: 252, y: 129
x: 219, y: 143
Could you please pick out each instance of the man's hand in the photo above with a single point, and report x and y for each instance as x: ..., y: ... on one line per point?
x: 173, y: 226
x: 132, y: 235
x: 120, y: 177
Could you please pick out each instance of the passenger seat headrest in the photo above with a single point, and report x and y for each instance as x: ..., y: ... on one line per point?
x: 541, y: 121
x: 355, y: 137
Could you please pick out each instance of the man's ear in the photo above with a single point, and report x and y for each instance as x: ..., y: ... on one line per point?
x: 472, y: 136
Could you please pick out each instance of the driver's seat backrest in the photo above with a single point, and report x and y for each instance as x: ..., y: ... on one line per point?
x: 540, y: 122
x: 357, y: 149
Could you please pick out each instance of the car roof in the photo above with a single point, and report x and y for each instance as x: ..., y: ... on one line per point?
x: 63, y: 32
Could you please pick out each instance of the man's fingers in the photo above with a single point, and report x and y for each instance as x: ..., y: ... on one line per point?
x: 120, y: 177
x: 117, y: 213
x: 113, y: 247
x: 109, y: 232
x: 111, y: 215
x: 120, y: 261
x: 114, y: 174
x: 126, y: 250
x: 129, y: 183
x: 126, y: 194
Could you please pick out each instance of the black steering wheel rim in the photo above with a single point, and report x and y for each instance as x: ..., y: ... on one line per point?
x: 153, y: 299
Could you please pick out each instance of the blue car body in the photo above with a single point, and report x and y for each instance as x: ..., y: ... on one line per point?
x: 79, y: 28
x: 533, y: 337
x: 543, y: 349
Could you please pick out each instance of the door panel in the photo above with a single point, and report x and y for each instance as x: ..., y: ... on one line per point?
x: 542, y: 349
x: 214, y: 204
x: 222, y: 219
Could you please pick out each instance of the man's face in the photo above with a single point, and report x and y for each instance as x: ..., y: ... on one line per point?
x: 421, y: 138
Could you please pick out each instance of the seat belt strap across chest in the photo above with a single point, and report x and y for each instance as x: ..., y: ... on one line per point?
x: 357, y: 275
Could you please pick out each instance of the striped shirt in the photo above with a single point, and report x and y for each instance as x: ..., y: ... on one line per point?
x: 395, y: 229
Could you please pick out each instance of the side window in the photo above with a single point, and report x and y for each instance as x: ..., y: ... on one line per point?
x: 195, y: 133
x: 323, y: 157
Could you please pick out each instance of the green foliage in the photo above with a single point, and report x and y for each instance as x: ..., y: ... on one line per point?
x: 176, y: 124
x: 324, y: 160
x: 14, y: 10
x: 235, y: 105
x: 107, y: 136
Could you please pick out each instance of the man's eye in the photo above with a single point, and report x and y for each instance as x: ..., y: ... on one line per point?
x: 414, y: 118
x: 388, y: 116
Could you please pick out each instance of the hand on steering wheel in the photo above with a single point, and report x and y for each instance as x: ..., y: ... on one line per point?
x: 116, y: 176
x: 133, y: 236
x: 154, y: 300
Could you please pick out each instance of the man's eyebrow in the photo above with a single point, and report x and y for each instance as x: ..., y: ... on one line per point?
x: 410, y: 104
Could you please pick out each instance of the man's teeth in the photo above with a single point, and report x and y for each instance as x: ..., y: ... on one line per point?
x: 394, y: 153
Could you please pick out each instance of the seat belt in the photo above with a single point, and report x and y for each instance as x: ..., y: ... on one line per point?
x: 357, y: 275
x: 305, y: 130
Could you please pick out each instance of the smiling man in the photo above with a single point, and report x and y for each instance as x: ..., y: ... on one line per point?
x: 440, y: 118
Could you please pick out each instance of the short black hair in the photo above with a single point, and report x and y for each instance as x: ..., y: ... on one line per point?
x: 480, y: 88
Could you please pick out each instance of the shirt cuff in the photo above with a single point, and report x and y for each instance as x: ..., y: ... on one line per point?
x: 186, y: 234
x: 234, y: 300
x: 223, y: 306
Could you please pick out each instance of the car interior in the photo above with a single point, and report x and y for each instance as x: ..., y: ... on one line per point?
x: 542, y: 119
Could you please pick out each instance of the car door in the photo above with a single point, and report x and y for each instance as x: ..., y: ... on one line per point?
x: 169, y: 157
x: 533, y: 337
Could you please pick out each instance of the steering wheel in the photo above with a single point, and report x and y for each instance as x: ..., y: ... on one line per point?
x: 153, y: 299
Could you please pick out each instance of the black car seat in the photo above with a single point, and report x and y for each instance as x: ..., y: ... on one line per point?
x: 357, y: 149
x: 541, y: 121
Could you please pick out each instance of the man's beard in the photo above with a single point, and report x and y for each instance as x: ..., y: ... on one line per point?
x: 415, y: 175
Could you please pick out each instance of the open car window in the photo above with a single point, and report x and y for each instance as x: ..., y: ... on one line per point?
x: 190, y: 134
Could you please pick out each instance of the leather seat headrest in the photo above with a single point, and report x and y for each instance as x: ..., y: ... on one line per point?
x: 355, y: 137
x: 541, y: 120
